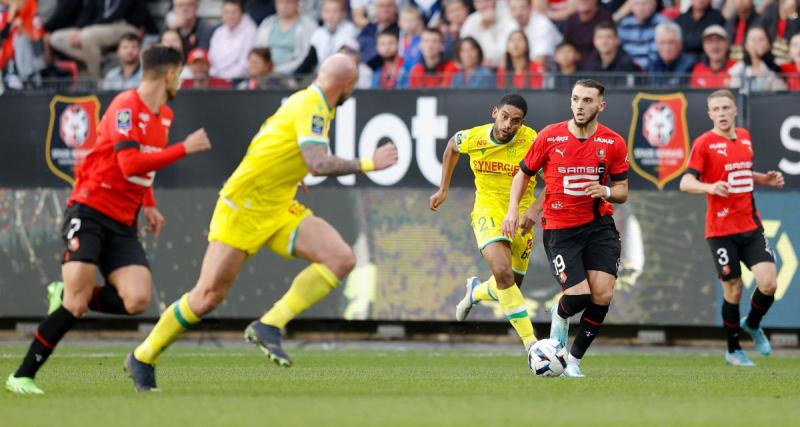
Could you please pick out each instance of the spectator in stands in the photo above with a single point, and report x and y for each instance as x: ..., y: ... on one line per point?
x: 172, y: 38
x: 65, y: 15
x: 287, y: 34
x: 259, y: 72
x: 434, y: 71
x: 231, y: 42
x: 336, y: 29
x: 519, y: 71
x: 791, y: 71
x: 431, y: 11
x: 757, y: 70
x: 565, y: 66
x: 359, y: 12
x: 694, y: 21
x: 390, y: 74
x: 194, y: 31
x: 671, y: 66
x: 472, y: 74
x: 781, y: 21
x: 199, y: 64
x: 608, y: 55
x: 411, y: 26
x: 259, y: 9
x: 455, y: 14
x: 542, y: 34
x: 385, y: 19
x: 350, y: 48
x: 554, y: 10
x: 637, y: 32
x: 713, y: 70
x: 101, y: 24
x: 737, y: 26
x: 128, y: 74
x: 489, y: 26
x: 579, y: 27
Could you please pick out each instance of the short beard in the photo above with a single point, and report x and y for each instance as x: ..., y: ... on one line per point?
x: 586, y: 123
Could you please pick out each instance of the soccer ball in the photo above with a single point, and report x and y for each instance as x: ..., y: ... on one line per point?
x: 547, y: 358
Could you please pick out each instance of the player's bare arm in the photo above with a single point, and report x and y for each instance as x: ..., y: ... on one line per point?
x: 530, y: 216
x: 511, y: 221
x: 617, y: 192
x: 449, y: 162
x: 769, y: 179
x: 321, y: 163
x: 690, y: 184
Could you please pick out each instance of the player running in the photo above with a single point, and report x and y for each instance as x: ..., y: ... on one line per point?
x: 495, y: 151
x: 256, y: 208
x: 100, y: 226
x: 721, y: 166
x: 585, y: 168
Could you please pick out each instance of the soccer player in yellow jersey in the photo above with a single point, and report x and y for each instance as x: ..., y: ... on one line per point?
x: 256, y: 208
x: 495, y: 151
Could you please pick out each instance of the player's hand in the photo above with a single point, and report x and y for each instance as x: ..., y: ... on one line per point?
x: 527, y: 221
x: 197, y: 142
x: 437, y: 199
x: 596, y: 191
x: 155, y: 221
x: 510, y: 224
x: 775, y: 179
x: 75, y: 39
x: 385, y: 156
x: 719, y: 188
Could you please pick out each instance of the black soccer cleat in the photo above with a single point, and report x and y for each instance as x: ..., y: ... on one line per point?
x: 142, y: 374
x: 268, y: 339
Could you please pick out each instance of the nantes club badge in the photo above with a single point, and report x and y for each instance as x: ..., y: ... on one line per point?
x: 71, y: 133
x: 658, y: 142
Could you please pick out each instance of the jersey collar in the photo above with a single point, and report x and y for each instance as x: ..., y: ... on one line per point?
x: 321, y: 94
x: 496, y: 142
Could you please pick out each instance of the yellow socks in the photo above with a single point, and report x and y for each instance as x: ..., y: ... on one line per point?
x: 513, y: 304
x: 176, y: 319
x: 310, y: 286
x: 486, y: 291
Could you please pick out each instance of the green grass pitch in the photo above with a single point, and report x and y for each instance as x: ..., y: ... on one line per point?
x: 235, y: 386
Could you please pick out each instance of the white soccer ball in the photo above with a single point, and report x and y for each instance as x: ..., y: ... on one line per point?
x: 547, y: 358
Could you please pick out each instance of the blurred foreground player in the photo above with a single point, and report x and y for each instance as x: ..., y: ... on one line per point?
x: 100, y: 227
x: 721, y: 167
x: 585, y: 170
x: 256, y: 208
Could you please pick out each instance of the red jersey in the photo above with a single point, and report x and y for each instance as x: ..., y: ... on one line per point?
x: 116, y: 177
x: 533, y: 77
x: 570, y: 165
x: 717, y: 158
x: 703, y: 76
x: 440, y: 76
x: 791, y: 74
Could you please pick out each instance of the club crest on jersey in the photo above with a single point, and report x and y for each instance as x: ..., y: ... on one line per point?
x: 601, y: 153
x: 71, y: 133
x: 317, y: 124
x: 658, y: 140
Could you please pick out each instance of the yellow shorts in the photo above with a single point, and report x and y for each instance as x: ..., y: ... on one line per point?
x: 248, y: 231
x: 487, y: 225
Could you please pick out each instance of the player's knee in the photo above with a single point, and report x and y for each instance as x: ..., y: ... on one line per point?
x: 505, y: 279
x: 769, y: 287
x: 137, y: 304
x: 341, y: 261
x: 603, y: 296
x: 76, y: 308
x: 207, y: 301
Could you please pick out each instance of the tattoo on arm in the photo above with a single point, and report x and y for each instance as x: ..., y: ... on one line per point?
x: 320, y: 163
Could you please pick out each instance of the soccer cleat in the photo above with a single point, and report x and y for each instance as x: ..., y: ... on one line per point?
x: 760, y: 339
x: 466, y: 303
x: 55, y: 293
x: 142, y: 374
x: 738, y: 358
x: 268, y: 339
x: 23, y: 385
x: 559, y: 327
x: 573, y: 370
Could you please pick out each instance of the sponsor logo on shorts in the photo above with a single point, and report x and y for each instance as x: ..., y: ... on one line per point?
x: 562, y: 277
x: 726, y: 270
x: 74, y: 244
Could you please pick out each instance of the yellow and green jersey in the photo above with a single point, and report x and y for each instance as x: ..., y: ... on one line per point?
x: 495, y: 163
x: 268, y: 175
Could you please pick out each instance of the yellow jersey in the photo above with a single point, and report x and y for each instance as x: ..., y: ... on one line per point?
x: 495, y: 163
x: 267, y: 177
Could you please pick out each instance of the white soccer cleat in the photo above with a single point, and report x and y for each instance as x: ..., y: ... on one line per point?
x: 465, y: 305
x: 573, y: 370
x: 559, y: 327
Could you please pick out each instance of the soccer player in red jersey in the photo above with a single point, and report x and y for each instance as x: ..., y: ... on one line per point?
x: 721, y: 167
x: 100, y: 222
x: 585, y: 167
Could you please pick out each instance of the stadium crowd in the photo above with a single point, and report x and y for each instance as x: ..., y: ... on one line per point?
x: 274, y: 44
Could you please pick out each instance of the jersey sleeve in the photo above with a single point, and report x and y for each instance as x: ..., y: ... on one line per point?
x: 462, y: 141
x: 124, y: 125
x: 618, y: 169
x: 697, y: 159
x: 534, y: 160
x: 149, y: 200
x: 312, y: 122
